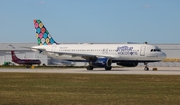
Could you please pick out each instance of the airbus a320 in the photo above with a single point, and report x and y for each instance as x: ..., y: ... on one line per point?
x: 97, y: 55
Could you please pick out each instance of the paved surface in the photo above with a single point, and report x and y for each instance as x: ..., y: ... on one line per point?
x: 135, y: 70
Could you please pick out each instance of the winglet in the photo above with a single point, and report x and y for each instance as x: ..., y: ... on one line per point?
x: 42, y: 34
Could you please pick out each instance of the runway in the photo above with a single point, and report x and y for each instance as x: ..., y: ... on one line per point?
x: 135, y: 70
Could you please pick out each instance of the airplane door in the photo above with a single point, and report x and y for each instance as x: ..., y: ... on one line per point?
x: 106, y: 50
x: 53, y: 48
x: 142, y: 52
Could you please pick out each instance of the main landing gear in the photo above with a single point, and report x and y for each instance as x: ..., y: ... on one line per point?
x: 146, y: 68
x: 91, y: 67
x: 108, y: 68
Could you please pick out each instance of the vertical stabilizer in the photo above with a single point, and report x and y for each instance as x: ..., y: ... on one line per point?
x: 42, y: 34
x: 14, y: 57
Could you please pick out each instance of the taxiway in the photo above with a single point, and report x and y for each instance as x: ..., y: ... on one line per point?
x: 135, y: 70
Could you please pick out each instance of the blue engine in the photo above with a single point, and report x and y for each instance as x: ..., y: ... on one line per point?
x: 101, y: 62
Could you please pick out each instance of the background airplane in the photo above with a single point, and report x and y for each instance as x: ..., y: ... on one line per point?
x: 25, y: 62
x: 97, y: 55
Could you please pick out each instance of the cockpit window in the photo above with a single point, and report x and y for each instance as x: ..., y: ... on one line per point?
x: 158, y: 50
x: 155, y: 50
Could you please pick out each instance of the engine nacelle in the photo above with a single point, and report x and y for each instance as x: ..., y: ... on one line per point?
x: 101, y: 62
x: 127, y: 64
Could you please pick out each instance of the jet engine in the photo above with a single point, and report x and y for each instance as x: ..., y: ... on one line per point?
x: 127, y: 64
x: 101, y: 62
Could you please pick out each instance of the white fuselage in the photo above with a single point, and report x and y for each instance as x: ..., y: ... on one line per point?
x: 119, y: 52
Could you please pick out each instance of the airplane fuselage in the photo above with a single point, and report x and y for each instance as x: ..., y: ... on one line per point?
x: 116, y: 52
x: 27, y: 62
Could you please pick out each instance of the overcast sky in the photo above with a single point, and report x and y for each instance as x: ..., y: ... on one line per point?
x: 69, y: 21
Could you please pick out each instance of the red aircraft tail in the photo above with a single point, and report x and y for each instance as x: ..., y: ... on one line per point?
x: 14, y: 57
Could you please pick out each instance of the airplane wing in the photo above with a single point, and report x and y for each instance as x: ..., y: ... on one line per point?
x: 39, y: 49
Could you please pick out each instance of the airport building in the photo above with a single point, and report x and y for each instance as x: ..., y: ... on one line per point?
x: 23, y: 53
x: 172, y: 51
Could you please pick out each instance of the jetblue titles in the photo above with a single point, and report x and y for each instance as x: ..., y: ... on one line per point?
x: 126, y: 50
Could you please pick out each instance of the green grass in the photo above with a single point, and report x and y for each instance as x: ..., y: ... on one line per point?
x: 88, y: 89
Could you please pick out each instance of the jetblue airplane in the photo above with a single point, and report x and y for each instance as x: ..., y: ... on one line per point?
x: 97, y: 55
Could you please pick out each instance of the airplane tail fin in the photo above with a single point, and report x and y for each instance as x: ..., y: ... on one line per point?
x: 14, y: 57
x: 42, y: 34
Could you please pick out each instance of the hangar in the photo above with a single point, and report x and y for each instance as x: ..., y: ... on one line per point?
x: 172, y: 51
x: 6, y: 48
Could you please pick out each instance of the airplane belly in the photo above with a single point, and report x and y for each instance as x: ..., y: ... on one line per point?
x: 129, y: 58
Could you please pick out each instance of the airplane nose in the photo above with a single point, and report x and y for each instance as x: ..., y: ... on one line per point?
x: 163, y: 56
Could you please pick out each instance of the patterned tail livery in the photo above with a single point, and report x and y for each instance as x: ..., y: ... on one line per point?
x: 42, y: 34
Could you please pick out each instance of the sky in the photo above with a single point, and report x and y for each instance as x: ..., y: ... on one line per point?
x: 95, y: 21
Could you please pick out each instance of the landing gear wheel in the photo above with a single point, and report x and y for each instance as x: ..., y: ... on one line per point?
x: 108, y: 68
x: 146, y: 68
x: 89, y: 67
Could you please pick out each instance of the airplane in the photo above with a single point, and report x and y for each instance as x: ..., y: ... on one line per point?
x: 97, y: 55
x: 63, y: 63
x: 26, y: 62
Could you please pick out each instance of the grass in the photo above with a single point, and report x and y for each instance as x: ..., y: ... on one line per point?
x: 88, y: 89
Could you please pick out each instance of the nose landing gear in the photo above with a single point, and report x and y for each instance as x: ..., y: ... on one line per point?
x: 146, y: 68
